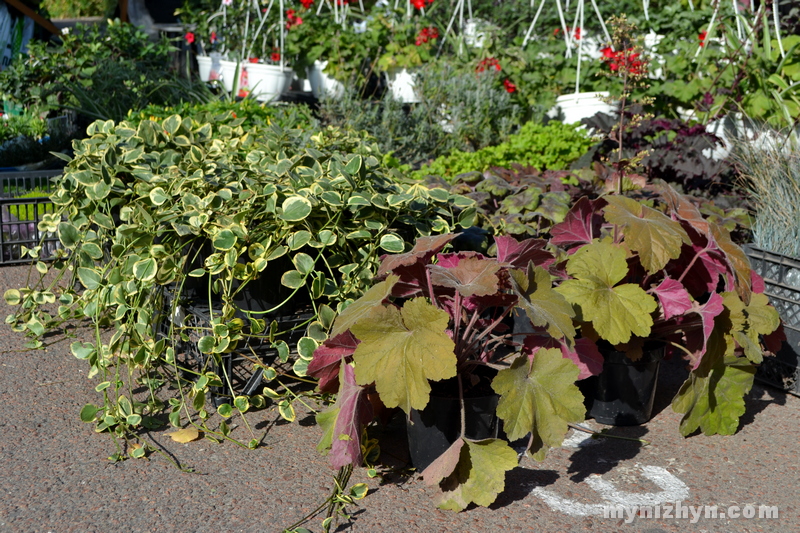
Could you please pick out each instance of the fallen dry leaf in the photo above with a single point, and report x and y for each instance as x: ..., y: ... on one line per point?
x: 185, y: 435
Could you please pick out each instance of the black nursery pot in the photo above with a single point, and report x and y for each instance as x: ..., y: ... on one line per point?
x: 432, y: 430
x: 623, y: 393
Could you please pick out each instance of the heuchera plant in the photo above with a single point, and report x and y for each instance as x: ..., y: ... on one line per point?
x: 656, y: 269
x: 436, y: 316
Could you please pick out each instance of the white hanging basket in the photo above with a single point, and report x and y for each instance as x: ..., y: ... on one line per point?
x: 208, y: 67
x: 402, y: 85
x: 321, y: 84
x: 578, y: 106
x: 266, y: 82
x: 227, y: 73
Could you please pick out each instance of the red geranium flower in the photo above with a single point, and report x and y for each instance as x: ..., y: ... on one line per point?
x: 510, y: 87
x: 306, y: 3
x: 292, y: 20
x: 420, y: 4
x: 489, y: 63
x: 213, y: 37
x: 702, y: 37
x: 426, y: 34
x: 275, y: 56
x: 189, y: 37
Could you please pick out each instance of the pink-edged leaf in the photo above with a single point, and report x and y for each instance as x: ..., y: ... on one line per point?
x: 423, y: 250
x: 520, y: 253
x: 328, y: 358
x: 757, y: 282
x: 451, y: 260
x: 697, y: 338
x: 355, y: 411
x: 673, y: 297
x: 444, y: 465
x: 581, y: 225
x: 586, y: 355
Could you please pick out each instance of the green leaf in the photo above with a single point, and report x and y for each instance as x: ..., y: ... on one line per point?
x: 224, y: 240
x: 158, y: 196
x: 293, y: 279
x: 295, y: 209
x: 92, y: 250
x: 68, y: 234
x: 206, y: 344
x: 392, y: 243
x: 89, y: 277
x: 286, y: 410
x: 712, y: 397
x: 12, y: 297
x: 303, y: 263
x: 354, y: 165
x: 363, y: 307
x: 306, y: 347
x: 539, y: 398
x: 656, y: 237
x: 545, y: 307
x: 225, y: 410
x: 145, y: 270
x: 479, y: 475
x: 82, y: 350
x: 89, y: 412
x: 401, y: 349
x: 242, y: 403
x: 615, y: 312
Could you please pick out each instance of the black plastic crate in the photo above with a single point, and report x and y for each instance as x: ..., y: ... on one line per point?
x: 237, y: 368
x: 23, y: 202
x: 781, y: 275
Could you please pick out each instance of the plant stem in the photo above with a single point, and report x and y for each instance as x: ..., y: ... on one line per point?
x: 599, y: 434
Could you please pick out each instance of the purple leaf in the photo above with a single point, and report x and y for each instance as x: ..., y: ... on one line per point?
x: 423, y: 250
x: 328, y: 358
x: 581, y: 225
x: 519, y: 254
x: 355, y: 411
x: 673, y: 297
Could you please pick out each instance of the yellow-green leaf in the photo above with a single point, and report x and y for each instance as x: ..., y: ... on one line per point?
x: 362, y: 307
x: 652, y: 234
x: 545, y: 307
x: 401, y: 349
x: 539, y: 398
x: 479, y: 475
x: 616, y: 312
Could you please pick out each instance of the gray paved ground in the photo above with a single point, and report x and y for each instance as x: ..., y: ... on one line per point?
x: 54, y: 475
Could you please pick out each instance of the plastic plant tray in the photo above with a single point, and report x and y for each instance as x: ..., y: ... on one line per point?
x: 781, y: 275
x: 23, y: 202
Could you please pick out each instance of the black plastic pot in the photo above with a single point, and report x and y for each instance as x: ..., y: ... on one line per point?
x: 432, y: 430
x: 622, y: 394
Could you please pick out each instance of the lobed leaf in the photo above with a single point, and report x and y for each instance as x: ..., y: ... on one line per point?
x: 540, y: 398
x: 401, y: 349
x: 544, y: 307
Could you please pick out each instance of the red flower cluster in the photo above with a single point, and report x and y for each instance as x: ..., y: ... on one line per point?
x: 306, y: 3
x: 292, y: 20
x: 627, y: 60
x: 488, y: 63
x: 275, y: 56
x: 510, y: 87
x: 190, y: 37
x: 420, y: 4
x: 213, y: 37
x: 702, y: 37
x: 427, y: 34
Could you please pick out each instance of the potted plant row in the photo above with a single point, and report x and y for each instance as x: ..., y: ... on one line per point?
x: 620, y: 272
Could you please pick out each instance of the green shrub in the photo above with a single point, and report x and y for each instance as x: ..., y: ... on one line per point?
x: 458, y: 111
x: 252, y: 112
x: 546, y: 147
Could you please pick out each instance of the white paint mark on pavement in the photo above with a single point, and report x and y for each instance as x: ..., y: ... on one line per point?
x: 672, y: 490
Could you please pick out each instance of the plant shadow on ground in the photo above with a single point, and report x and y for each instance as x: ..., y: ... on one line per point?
x: 600, y: 456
